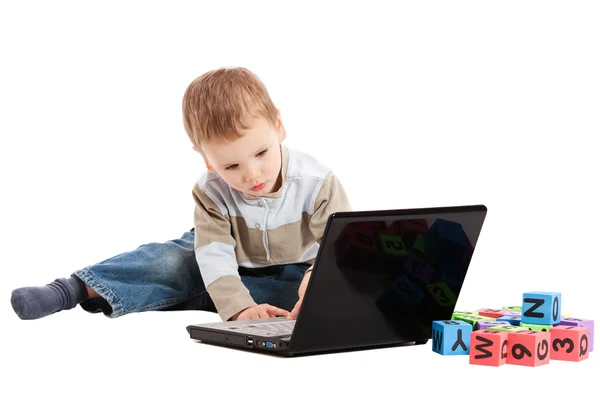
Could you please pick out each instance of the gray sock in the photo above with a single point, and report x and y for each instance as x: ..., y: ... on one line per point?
x: 38, y: 301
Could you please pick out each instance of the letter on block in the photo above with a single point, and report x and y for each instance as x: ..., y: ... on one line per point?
x: 588, y: 323
x: 569, y: 343
x: 488, y: 348
x: 512, y: 308
x: 541, y: 308
x: 451, y: 337
x: 530, y: 348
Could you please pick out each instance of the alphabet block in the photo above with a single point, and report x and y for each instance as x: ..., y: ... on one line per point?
x: 541, y: 308
x: 407, y: 292
x: 507, y: 328
x: 569, y: 343
x: 511, y: 313
x: 409, y: 230
x: 529, y: 348
x: 441, y: 294
x: 483, y: 325
x: 488, y: 348
x: 588, y: 323
x: 511, y: 319
x: 451, y: 337
x: 447, y: 241
x: 490, y: 312
x: 473, y: 319
x: 539, y: 328
x: 512, y: 308
x: 419, y: 266
x: 356, y: 248
x: 392, y: 246
x: 465, y: 313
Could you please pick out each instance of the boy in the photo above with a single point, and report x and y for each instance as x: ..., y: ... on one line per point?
x: 260, y: 212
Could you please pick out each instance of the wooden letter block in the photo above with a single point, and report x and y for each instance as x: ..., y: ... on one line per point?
x: 588, y: 323
x: 451, y: 337
x: 529, y: 348
x: 488, y: 348
x: 570, y: 343
x: 541, y: 308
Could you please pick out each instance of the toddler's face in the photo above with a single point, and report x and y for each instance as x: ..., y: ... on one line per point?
x: 251, y: 163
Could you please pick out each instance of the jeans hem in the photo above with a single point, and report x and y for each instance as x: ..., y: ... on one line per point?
x: 93, y: 282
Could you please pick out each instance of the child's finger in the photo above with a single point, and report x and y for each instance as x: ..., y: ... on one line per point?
x: 277, y: 311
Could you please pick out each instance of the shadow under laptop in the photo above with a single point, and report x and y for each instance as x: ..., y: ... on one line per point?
x: 314, y: 353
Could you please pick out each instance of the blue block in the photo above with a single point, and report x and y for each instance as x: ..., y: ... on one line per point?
x: 541, y: 308
x: 511, y: 319
x: 451, y: 338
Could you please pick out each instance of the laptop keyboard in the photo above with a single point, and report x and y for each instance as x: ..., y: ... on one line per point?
x: 267, y: 329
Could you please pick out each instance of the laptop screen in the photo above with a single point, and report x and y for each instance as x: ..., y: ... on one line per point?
x: 383, y: 277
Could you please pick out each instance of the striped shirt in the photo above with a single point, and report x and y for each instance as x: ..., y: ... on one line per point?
x: 234, y: 228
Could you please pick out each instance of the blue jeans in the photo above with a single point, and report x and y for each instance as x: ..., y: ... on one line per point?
x: 165, y: 276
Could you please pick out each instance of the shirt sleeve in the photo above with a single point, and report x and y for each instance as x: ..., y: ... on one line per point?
x: 331, y: 198
x: 214, y: 247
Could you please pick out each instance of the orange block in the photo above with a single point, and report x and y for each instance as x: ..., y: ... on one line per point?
x: 488, y: 347
x: 570, y: 343
x: 529, y: 348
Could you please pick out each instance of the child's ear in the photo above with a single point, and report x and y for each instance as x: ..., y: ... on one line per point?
x: 281, y: 133
x: 208, y: 166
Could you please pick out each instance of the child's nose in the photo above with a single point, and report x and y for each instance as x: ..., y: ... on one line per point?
x: 252, y: 174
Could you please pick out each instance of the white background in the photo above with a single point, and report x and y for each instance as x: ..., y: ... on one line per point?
x: 413, y: 105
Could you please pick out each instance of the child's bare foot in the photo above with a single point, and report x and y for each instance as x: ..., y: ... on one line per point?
x: 39, y: 301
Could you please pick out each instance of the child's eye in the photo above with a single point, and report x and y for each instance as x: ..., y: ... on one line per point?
x: 262, y: 153
x: 231, y: 167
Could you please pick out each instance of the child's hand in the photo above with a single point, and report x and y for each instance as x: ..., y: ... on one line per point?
x: 260, y: 311
x: 301, y: 291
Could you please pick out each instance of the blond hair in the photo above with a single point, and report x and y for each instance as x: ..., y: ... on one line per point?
x: 219, y: 103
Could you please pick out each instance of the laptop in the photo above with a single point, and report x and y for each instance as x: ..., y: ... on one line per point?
x: 380, y: 279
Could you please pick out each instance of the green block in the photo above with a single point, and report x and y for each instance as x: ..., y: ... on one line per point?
x: 534, y: 327
x: 457, y: 313
x: 442, y: 294
x: 392, y: 245
x: 473, y: 319
x: 419, y: 243
x: 507, y: 328
x: 513, y: 308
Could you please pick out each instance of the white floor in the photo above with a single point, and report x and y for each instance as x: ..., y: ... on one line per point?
x: 150, y: 355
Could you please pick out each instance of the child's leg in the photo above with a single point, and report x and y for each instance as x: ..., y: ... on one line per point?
x: 155, y: 276
x: 277, y: 286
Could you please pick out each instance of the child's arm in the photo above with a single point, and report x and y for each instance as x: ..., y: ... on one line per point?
x: 331, y: 198
x: 215, y: 253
